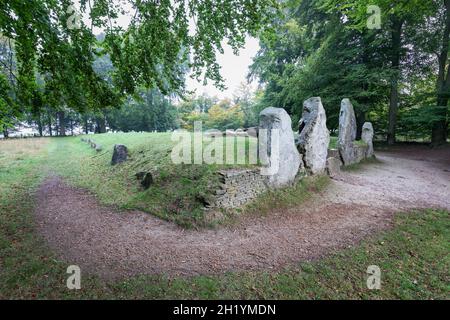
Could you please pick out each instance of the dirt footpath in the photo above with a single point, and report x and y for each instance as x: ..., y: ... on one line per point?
x: 115, y: 244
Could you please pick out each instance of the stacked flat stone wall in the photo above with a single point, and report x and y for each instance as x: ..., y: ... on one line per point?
x: 238, y: 186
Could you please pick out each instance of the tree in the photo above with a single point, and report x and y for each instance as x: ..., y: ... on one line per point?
x: 325, y: 48
x: 223, y: 116
x: 158, y: 48
x: 315, y: 53
x: 440, y: 127
x: 151, y: 111
x: 8, y: 109
x: 245, y: 99
x: 155, y: 51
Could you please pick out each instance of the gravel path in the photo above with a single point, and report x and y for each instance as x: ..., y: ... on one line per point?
x: 115, y: 244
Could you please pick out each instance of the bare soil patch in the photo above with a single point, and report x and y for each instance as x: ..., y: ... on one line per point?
x: 116, y: 244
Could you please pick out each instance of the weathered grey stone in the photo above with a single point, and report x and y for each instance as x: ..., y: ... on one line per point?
x: 147, y: 180
x: 367, y: 137
x: 241, y: 133
x: 334, y: 153
x: 98, y: 148
x: 314, y: 136
x: 220, y: 192
x: 277, y: 148
x: 120, y: 154
x: 359, y: 153
x: 230, y: 133
x: 333, y: 167
x: 347, y: 132
x: 252, y: 132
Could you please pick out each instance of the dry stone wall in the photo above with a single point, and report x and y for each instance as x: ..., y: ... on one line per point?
x: 238, y: 186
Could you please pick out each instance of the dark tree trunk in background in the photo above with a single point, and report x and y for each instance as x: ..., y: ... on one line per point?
x: 86, y: 126
x: 71, y: 127
x: 396, y: 38
x: 39, y: 124
x: 360, y: 119
x: 101, y: 125
x: 49, y: 119
x: 5, y: 133
x: 439, y: 131
x: 62, y: 124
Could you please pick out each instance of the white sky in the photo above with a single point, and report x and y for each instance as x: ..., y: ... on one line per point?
x: 234, y: 69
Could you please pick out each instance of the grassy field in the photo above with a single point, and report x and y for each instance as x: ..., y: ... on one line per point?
x: 413, y: 255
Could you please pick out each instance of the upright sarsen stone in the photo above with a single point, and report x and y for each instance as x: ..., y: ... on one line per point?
x: 277, y: 147
x: 347, y: 132
x: 120, y: 154
x: 314, y: 136
x: 367, y: 137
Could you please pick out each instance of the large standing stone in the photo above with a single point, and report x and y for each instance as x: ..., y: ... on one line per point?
x: 314, y: 136
x: 120, y: 154
x: 347, y: 132
x: 277, y: 147
x: 367, y: 137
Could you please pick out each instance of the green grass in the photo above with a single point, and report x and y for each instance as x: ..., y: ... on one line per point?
x: 334, y: 143
x: 287, y: 197
x: 413, y: 255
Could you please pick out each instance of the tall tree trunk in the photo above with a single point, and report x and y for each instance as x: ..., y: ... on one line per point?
x: 101, y: 124
x: 360, y: 119
x: 62, y: 124
x: 5, y: 133
x: 39, y: 124
x: 86, y: 125
x: 49, y: 118
x: 439, y: 130
x: 71, y: 127
x: 396, y: 38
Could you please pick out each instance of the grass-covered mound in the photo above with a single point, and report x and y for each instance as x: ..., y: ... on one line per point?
x: 177, y: 192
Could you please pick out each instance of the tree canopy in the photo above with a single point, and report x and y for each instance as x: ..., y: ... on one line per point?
x: 326, y: 48
x: 164, y: 40
x: 389, y: 57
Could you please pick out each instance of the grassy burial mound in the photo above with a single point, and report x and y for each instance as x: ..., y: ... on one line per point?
x: 175, y: 192
x: 178, y: 192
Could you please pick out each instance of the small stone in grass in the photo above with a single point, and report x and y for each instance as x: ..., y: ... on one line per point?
x: 147, y: 181
x: 120, y: 154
